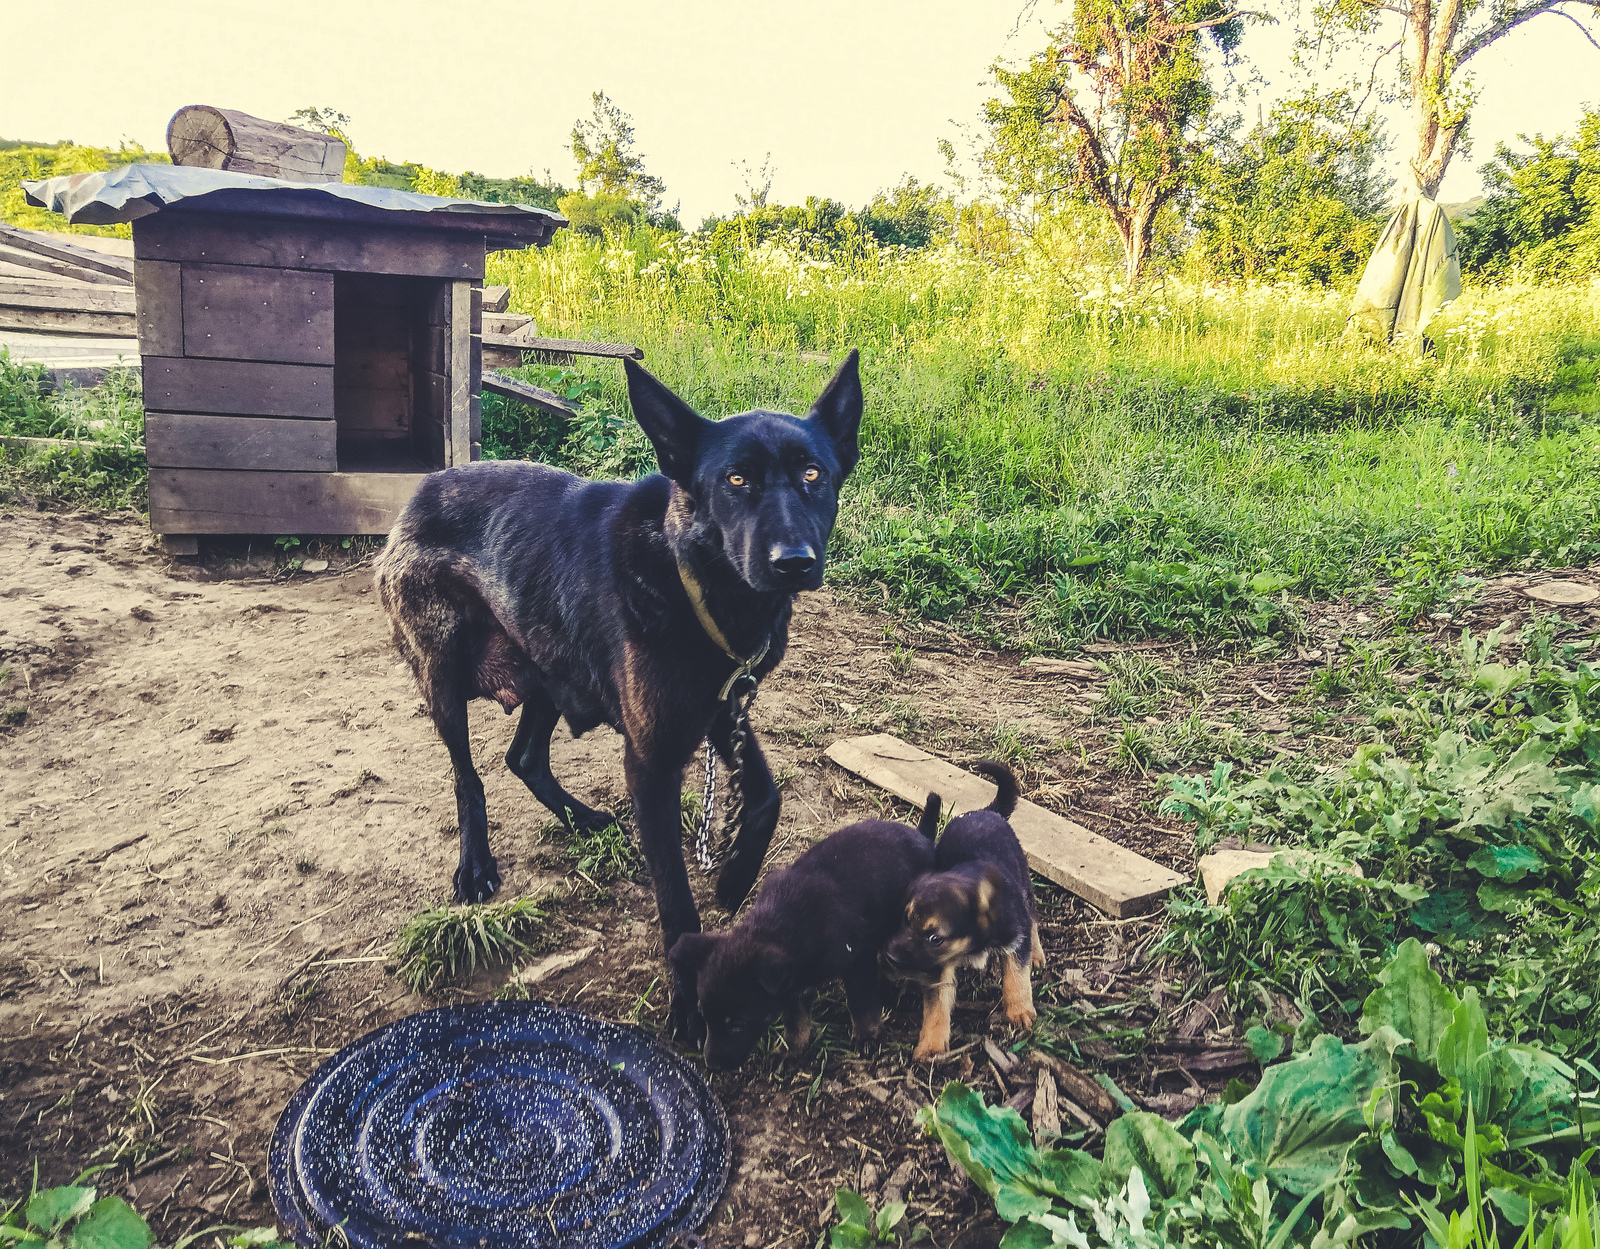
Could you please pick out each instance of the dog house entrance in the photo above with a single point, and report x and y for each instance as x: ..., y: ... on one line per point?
x: 390, y: 394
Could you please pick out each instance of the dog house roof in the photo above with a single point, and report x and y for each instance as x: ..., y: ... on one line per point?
x: 135, y: 191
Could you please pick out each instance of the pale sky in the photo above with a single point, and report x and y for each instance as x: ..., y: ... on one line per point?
x: 845, y: 96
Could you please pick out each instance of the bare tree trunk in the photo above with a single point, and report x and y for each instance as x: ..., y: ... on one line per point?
x: 1431, y: 31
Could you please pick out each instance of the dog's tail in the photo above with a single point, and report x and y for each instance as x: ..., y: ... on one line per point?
x: 928, y: 825
x: 1005, y: 782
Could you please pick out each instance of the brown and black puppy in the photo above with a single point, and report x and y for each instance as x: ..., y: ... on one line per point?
x: 978, y: 901
x: 823, y: 918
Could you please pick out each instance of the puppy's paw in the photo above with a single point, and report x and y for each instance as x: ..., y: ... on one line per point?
x: 477, y: 880
x: 1021, y: 1014
x: 685, y: 1024
x: 1038, y: 959
x: 927, y: 1049
x: 797, y: 1037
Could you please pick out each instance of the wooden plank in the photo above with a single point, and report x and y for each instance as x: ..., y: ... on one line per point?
x: 509, y: 325
x: 459, y: 413
x: 58, y: 247
x: 322, y: 246
x: 386, y: 413
x: 237, y: 312
x: 533, y: 396
x: 200, y: 500
x: 15, y: 262
x: 432, y: 351
x: 496, y: 298
x: 515, y: 358
x: 76, y: 296
x: 159, y: 293
x: 174, y: 440
x: 1107, y: 875
x: 372, y: 368
x: 206, y: 137
x: 57, y: 321
x: 567, y: 346
x: 238, y: 387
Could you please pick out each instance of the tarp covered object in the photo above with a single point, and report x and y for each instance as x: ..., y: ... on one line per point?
x: 136, y: 191
x: 1412, y: 273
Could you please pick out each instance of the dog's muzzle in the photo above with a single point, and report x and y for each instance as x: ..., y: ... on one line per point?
x: 792, y: 562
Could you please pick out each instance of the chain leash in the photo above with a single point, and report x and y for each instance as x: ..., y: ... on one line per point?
x: 740, y: 693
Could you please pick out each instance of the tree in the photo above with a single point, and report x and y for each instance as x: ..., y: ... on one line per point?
x: 603, y: 148
x: 1542, y: 208
x: 322, y: 120
x: 1436, y: 39
x: 911, y: 214
x: 757, y: 185
x: 1111, y: 112
x: 1300, y: 195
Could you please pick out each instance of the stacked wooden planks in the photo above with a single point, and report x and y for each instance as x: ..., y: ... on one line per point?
x: 56, y: 284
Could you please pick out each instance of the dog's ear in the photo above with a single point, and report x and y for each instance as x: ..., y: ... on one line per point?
x: 690, y: 951
x: 673, y: 427
x: 989, y: 886
x: 838, y: 410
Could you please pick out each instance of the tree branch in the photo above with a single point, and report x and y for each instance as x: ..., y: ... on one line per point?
x: 1578, y: 24
x: 1218, y: 21
x: 1505, y: 26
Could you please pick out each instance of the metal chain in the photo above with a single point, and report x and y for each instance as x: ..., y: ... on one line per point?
x: 741, y: 695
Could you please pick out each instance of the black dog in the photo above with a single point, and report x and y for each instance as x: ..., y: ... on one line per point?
x: 622, y: 603
x: 825, y: 917
x: 979, y: 900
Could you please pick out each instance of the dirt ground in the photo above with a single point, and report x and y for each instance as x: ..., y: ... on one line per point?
x: 223, y: 801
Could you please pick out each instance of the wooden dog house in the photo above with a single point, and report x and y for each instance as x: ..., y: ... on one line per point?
x: 309, y: 350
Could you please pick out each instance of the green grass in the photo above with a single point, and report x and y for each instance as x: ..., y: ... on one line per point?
x: 448, y: 940
x: 1118, y: 466
x: 108, y: 468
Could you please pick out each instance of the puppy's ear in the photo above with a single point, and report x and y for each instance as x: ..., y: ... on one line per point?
x: 690, y: 951
x: 989, y: 886
x: 838, y: 410
x: 673, y: 427
x: 775, y: 973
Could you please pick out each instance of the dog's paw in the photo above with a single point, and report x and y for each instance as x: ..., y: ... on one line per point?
x: 587, y: 820
x: 928, y: 1049
x: 685, y: 1025
x: 1022, y: 1015
x: 1037, y: 960
x: 735, y: 879
x: 477, y: 880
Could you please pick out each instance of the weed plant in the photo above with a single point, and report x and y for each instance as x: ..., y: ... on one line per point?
x: 106, y: 468
x: 449, y: 940
x: 1474, y: 813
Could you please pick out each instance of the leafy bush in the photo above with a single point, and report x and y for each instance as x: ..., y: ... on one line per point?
x: 1426, y: 1118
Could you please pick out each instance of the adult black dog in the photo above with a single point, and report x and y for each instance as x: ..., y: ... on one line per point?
x: 622, y: 603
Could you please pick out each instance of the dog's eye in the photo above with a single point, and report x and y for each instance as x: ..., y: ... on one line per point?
x: 935, y: 939
x: 736, y: 479
x: 813, y: 473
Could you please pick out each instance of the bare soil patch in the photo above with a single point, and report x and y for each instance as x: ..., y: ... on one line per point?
x: 219, y: 800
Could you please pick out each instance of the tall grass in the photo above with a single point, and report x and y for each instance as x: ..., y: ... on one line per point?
x: 1168, y: 462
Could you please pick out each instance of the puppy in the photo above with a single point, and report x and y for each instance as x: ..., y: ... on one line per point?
x: 825, y: 917
x: 977, y: 901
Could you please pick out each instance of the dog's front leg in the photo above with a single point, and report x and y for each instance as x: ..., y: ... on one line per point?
x: 656, y: 791
x: 866, y: 1007
x: 761, y: 807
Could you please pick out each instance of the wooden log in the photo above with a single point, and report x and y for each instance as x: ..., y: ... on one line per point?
x: 496, y: 298
x: 1106, y: 875
x: 78, y: 295
x: 239, y: 312
x: 222, y: 138
x: 238, y: 388
x: 32, y: 261
x: 275, y: 243
x: 533, y: 396
x: 14, y: 315
x: 1078, y: 1085
x: 56, y: 247
x: 1046, y: 1110
x: 174, y: 440
x: 199, y: 500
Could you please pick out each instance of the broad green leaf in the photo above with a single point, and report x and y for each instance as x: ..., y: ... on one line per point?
x: 1507, y: 863
x: 1030, y: 1235
x: 853, y: 1208
x: 1464, y: 1041
x: 1546, y: 1101
x: 1497, y: 896
x: 1451, y: 912
x: 49, y: 1209
x: 111, y: 1224
x: 1151, y: 1144
x: 1298, y: 1124
x: 1586, y: 804
x: 849, y: 1236
x: 1265, y: 1045
x: 1413, y: 1000
x: 1497, y: 680
x: 889, y: 1216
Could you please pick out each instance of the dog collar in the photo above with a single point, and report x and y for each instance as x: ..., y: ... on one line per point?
x: 697, y: 600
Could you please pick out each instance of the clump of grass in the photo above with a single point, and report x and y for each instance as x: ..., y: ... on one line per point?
x: 446, y: 940
x: 13, y: 716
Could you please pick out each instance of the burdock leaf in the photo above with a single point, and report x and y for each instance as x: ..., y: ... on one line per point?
x: 50, y: 1209
x: 111, y: 1224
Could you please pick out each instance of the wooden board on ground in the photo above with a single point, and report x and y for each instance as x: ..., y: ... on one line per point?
x: 57, y: 247
x: 1106, y: 875
x: 496, y: 298
x: 19, y: 312
x: 565, y: 346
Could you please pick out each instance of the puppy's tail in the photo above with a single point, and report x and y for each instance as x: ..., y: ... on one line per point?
x: 928, y: 825
x: 1005, y: 781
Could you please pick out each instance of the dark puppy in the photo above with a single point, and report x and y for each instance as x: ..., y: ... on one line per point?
x: 977, y: 901
x: 823, y: 918
x: 621, y: 603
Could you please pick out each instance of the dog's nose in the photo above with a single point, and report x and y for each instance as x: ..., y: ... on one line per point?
x: 793, y: 561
